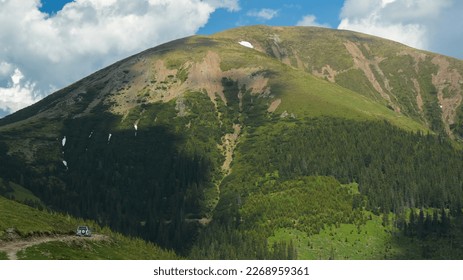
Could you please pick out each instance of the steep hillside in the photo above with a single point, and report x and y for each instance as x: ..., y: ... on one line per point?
x: 27, y: 233
x: 424, y: 86
x: 207, y: 140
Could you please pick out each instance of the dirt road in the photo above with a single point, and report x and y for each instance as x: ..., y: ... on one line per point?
x: 11, y: 248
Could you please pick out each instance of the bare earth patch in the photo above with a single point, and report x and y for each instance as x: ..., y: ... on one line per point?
x: 274, y: 105
x: 207, y: 76
x: 417, y: 57
x: 229, y: 142
x: 364, y: 64
x: 447, y: 79
x: 419, y: 97
x: 326, y: 72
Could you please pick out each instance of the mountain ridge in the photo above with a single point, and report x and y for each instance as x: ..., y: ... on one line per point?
x: 364, y: 66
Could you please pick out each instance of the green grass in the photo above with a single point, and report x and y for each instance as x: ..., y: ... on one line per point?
x: 345, y: 241
x: 371, y: 241
x: 3, y: 256
x: 305, y: 95
x: 355, y: 80
x: 325, y: 45
x: 29, y: 222
x: 117, y: 248
x: 349, y: 241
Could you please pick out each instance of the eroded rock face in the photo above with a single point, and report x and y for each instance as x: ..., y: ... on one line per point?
x: 449, y: 90
x: 368, y: 66
x: 153, y: 81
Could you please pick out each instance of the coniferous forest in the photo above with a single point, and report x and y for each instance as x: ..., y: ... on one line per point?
x: 286, y: 174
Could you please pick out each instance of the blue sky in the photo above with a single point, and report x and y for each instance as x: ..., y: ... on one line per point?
x: 53, y: 6
x: 288, y: 13
x: 48, y: 44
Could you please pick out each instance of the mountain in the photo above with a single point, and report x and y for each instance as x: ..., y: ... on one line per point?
x: 256, y: 142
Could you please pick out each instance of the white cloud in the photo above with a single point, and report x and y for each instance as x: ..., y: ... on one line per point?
x: 17, y: 77
x: 17, y: 95
x: 230, y: 5
x: 52, y: 51
x: 5, y: 69
x: 358, y: 8
x: 310, y: 20
x: 264, y: 14
x: 423, y: 24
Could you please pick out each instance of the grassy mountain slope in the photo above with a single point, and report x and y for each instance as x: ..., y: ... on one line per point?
x: 203, y: 141
x: 22, y: 224
x: 424, y: 86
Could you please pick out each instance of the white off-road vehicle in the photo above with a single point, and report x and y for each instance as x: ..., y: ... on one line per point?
x: 83, y: 231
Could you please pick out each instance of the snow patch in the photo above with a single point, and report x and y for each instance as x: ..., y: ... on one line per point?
x: 91, y: 133
x: 65, y: 164
x: 109, y: 137
x: 246, y: 44
x: 63, y: 142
